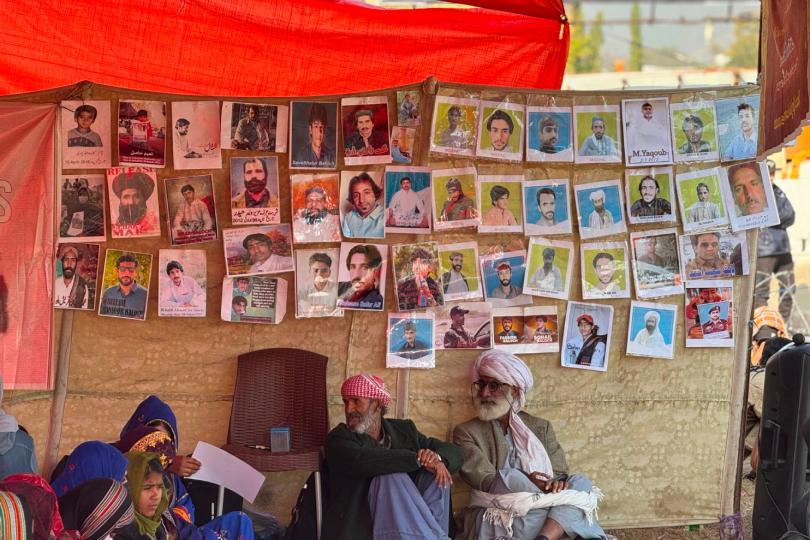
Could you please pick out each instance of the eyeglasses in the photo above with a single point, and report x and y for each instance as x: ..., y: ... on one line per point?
x: 492, y: 386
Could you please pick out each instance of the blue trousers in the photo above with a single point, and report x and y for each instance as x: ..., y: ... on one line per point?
x: 403, y: 509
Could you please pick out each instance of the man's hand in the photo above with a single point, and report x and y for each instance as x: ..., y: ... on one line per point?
x: 184, y: 465
x: 432, y: 462
x: 544, y: 483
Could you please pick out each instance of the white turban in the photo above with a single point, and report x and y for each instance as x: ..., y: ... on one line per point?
x: 509, y: 369
x: 598, y: 194
x: 652, y: 314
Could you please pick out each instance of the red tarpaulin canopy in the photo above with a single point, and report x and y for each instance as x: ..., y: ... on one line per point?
x: 280, y: 47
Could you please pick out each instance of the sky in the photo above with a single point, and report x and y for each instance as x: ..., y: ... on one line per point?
x: 689, y: 39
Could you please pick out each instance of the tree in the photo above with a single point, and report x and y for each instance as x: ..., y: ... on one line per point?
x: 636, y: 47
x: 743, y: 51
x: 584, y: 53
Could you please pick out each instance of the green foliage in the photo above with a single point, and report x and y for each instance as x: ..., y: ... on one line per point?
x: 744, y: 51
x: 584, y: 55
x: 636, y: 47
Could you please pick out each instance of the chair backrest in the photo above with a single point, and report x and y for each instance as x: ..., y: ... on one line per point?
x: 280, y: 388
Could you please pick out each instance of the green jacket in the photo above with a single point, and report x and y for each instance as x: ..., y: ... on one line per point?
x: 355, y: 459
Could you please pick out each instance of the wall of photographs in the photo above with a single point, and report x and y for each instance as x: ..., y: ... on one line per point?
x: 601, y: 237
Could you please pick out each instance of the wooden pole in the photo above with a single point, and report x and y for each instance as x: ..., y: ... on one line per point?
x: 59, y: 393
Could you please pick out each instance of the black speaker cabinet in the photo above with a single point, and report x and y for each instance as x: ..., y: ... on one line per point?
x: 783, y: 478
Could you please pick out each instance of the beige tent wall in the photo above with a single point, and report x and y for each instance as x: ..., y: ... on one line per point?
x: 657, y: 436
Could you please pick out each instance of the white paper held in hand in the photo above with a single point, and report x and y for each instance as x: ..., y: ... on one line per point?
x: 224, y: 469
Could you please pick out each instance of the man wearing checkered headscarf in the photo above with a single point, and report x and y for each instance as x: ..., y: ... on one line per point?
x: 386, y: 478
x: 515, y: 465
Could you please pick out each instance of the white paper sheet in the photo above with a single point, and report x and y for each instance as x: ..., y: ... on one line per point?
x: 224, y: 469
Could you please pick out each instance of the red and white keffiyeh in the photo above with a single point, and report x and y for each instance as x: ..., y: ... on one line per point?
x: 366, y: 385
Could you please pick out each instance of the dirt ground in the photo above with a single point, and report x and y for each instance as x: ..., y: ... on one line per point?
x: 705, y: 532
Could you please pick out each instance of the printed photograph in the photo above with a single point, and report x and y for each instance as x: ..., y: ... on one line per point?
x: 459, y: 270
x: 465, y: 325
x: 738, y: 127
x: 646, y: 131
x: 316, y: 285
x: 142, y: 133
x: 182, y: 283
x: 708, y: 313
x: 125, y: 284
x: 600, y: 209
x: 541, y: 329
x: 410, y: 341
x: 196, y: 135
x: 455, y: 121
x: 134, y: 206
x: 76, y: 275
x: 417, y: 276
x: 315, y: 207
x: 81, y: 204
x: 550, y: 266
x: 597, y: 134
x: 500, y: 131
x: 650, y: 195
x: 191, y: 209
x: 362, y: 210
x: 364, y: 122
x: 700, y: 197
x: 500, y: 199
x: 454, y: 198
x: 605, y: 270
x: 749, y: 197
x: 651, y: 331
x: 546, y: 206
x: 254, y: 190
x: 504, y: 275
x: 587, y: 336
x: 253, y: 126
x: 655, y: 263
x: 265, y: 249
x: 254, y: 299
x: 507, y: 329
x: 86, y: 134
x: 361, y: 277
x: 403, y: 141
x: 408, y: 102
x: 313, y: 135
x: 407, y: 200
x: 694, y: 131
x: 549, y: 134
x: 714, y: 255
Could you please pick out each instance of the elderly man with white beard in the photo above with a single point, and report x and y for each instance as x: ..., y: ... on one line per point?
x: 387, y: 480
x: 515, y: 466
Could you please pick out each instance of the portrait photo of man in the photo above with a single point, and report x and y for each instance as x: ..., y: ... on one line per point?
x: 507, y: 334
x: 454, y: 281
x: 715, y: 326
x: 418, y: 289
x: 586, y: 342
x: 453, y: 136
x: 317, y: 220
x: 500, y: 134
x: 651, y: 330
x: 650, y: 204
x: 600, y: 217
x: 197, y: 138
x: 192, y: 219
x: 692, y: 127
x: 365, y: 130
x: 407, y: 208
x: 255, y: 182
x: 548, y: 276
x: 315, y: 150
x: 317, y: 290
x: 72, y: 290
x: 709, y: 260
x: 546, y: 207
x: 499, y: 128
x: 454, y: 124
x: 701, y: 200
x: 748, y: 189
x: 457, y: 206
x: 694, y: 131
x: 548, y: 134
x: 646, y: 127
x: 457, y: 336
x: 262, y: 259
x: 364, y: 216
x: 360, y: 285
x: 180, y: 294
x: 408, y: 107
x: 125, y: 297
x: 743, y: 144
x: 598, y: 143
x: 499, y: 215
x: 250, y: 134
x: 182, y: 146
x: 135, y: 212
x: 605, y: 266
x: 238, y: 307
x: 656, y: 260
x: 410, y: 346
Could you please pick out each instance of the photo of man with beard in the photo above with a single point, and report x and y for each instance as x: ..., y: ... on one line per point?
x: 255, y: 182
x: 136, y: 211
x: 71, y: 290
x: 125, y: 298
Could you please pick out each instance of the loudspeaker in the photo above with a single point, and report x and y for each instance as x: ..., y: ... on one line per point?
x: 783, y: 477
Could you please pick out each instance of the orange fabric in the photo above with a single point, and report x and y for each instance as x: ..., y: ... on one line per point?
x: 278, y: 47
